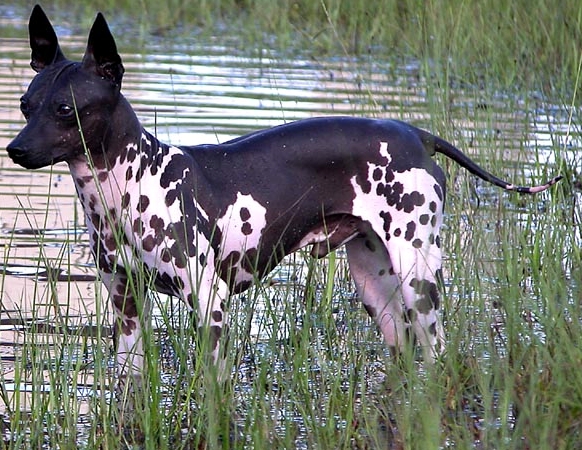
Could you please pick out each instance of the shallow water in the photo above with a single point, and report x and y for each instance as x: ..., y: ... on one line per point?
x: 192, y: 92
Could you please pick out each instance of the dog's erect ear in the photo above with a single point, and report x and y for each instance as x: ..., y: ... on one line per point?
x: 43, y: 41
x: 101, y: 55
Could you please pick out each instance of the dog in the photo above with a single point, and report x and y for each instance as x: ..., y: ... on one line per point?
x: 204, y: 222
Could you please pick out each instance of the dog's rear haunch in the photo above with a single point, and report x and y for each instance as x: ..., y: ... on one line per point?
x: 205, y: 221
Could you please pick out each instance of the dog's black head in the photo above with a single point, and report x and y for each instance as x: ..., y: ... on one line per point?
x: 68, y: 105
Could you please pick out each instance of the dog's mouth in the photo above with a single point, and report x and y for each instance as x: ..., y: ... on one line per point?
x: 23, y: 158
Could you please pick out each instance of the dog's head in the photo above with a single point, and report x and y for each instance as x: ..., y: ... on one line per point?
x: 68, y: 105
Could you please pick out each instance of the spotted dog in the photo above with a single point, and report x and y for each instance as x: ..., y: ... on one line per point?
x: 203, y: 222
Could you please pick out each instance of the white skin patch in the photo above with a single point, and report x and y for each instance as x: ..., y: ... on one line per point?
x: 369, y: 205
x: 384, y: 152
x: 242, y: 225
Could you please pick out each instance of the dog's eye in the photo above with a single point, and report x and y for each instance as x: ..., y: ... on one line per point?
x: 24, y: 107
x: 64, y: 110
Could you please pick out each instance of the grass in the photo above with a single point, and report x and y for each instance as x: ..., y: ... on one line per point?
x: 314, y: 373
x: 523, y: 44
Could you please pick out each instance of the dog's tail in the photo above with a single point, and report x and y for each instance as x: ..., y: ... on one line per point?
x: 434, y: 144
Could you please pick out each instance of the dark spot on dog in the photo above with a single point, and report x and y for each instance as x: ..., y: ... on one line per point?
x: 432, y: 206
x: 178, y: 254
x: 125, y: 305
x: 178, y: 282
x: 166, y: 255
x: 138, y: 227
x: 148, y: 243
x: 95, y: 220
x: 410, y: 201
x: 381, y: 189
x: 125, y: 200
x: 377, y: 174
x: 110, y: 242
x: 217, y: 316
x: 157, y: 223
x: 432, y: 329
x: 143, y: 203
x: 122, y: 155
x: 428, y: 294
x: 121, y: 289
x: 387, y: 220
x: 143, y: 165
x: 245, y: 214
x: 417, y: 243
x: 410, y: 229
x: 423, y: 219
x: 129, y: 173
x: 370, y: 245
x: 131, y: 154
x: 128, y: 326
x: 397, y: 232
x: 92, y: 202
x: 246, y: 229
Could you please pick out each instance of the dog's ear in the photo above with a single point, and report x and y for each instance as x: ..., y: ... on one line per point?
x: 43, y: 41
x: 101, y: 55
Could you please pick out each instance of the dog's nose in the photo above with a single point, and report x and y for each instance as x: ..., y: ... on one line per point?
x: 19, y: 153
x: 15, y: 151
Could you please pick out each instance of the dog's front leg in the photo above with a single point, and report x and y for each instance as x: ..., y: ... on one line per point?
x: 131, y: 314
x: 210, y: 305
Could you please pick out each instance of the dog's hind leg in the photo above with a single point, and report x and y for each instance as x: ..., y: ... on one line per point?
x: 378, y: 287
x: 417, y: 263
x: 397, y: 284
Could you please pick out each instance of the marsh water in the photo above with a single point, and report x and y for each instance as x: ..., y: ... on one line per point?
x: 192, y: 90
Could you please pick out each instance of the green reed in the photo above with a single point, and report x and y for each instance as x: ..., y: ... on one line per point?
x: 511, y: 43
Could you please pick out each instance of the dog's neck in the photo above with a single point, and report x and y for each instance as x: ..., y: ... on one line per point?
x: 128, y: 154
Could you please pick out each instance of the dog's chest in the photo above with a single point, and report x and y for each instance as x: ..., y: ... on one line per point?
x: 143, y: 213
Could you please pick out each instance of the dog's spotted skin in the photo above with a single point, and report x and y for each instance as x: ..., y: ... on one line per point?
x: 204, y: 222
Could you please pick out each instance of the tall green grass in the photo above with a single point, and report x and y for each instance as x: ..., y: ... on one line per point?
x: 533, y: 44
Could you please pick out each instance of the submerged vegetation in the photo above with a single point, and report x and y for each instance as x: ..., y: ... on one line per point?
x: 314, y: 373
